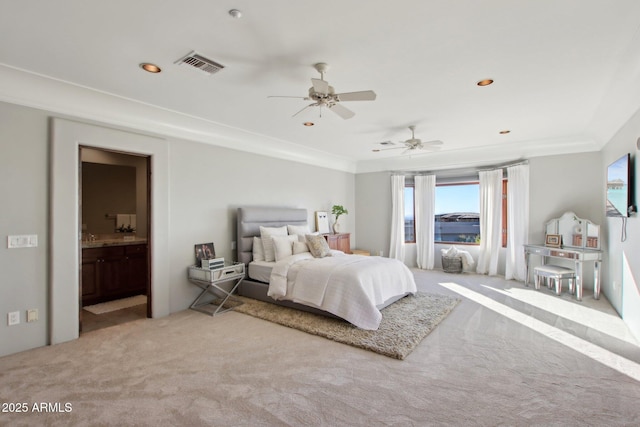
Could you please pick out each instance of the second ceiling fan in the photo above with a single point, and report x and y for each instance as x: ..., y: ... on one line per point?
x: 323, y: 95
x: 414, y: 144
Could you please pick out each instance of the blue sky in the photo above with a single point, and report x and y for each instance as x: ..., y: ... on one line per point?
x: 453, y: 198
x: 618, y: 169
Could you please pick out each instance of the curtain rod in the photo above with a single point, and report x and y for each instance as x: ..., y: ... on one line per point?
x: 464, y: 170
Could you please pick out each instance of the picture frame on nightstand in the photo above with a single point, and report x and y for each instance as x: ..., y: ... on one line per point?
x: 322, y: 222
x: 204, y: 251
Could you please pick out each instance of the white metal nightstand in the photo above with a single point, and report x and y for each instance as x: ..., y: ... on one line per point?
x: 209, y: 281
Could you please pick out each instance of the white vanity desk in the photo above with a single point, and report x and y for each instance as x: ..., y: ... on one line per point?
x: 584, y: 239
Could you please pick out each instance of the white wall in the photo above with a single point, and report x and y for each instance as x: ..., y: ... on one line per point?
x: 622, y: 261
x: 24, y: 193
x: 203, y: 187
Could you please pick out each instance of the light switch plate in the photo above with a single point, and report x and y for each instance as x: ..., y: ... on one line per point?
x: 22, y: 241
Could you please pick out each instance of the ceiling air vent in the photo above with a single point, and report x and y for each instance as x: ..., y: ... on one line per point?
x: 200, y: 62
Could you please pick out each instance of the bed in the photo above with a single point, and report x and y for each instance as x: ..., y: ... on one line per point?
x: 350, y: 287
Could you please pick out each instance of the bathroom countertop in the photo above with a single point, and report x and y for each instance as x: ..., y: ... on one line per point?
x: 112, y: 242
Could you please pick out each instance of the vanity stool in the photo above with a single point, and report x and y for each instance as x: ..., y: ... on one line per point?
x: 557, y: 274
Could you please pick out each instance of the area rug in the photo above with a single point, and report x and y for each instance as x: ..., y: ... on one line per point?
x: 119, y: 304
x: 404, y: 324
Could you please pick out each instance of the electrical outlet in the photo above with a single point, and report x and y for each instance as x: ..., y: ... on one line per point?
x: 233, y: 245
x: 32, y: 315
x: 13, y: 318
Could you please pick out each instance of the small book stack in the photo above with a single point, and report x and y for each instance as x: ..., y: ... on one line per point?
x: 212, y: 264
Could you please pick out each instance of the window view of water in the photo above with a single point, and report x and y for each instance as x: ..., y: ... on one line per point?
x: 617, y: 197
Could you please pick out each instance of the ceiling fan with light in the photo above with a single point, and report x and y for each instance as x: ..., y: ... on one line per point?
x: 413, y: 144
x: 323, y: 95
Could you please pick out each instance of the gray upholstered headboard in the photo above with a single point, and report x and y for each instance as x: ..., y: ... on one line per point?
x: 251, y: 218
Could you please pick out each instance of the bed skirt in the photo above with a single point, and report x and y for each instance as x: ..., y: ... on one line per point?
x: 258, y: 290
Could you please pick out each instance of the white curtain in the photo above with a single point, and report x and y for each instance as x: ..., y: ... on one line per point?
x: 396, y: 250
x: 490, y: 221
x: 425, y: 199
x: 518, y: 220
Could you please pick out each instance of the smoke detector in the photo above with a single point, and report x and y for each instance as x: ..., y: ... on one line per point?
x: 201, y: 63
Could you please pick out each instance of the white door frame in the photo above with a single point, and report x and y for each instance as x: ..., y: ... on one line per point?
x: 67, y: 137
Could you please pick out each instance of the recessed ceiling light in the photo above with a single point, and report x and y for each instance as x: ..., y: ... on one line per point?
x: 504, y: 132
x: 308, y: 123
x: 235, y: 13
x: 485, y: 82
x: 152, y: 68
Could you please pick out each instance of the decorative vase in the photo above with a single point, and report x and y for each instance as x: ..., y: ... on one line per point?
x: 336, y: 227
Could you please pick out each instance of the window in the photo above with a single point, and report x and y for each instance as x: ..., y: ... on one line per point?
x: 409, y: 214
x: 457, y: 213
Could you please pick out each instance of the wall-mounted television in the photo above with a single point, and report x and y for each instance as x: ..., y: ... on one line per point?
x: 620, y: 187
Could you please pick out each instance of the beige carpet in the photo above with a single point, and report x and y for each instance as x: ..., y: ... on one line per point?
x: 119, y: 304
x: 476, y: 368
x: 404, y: 324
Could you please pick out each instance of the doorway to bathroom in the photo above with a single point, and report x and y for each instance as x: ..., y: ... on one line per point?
x: 114, y: 213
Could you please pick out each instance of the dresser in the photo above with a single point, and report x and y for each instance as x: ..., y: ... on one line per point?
x: 339, y: 241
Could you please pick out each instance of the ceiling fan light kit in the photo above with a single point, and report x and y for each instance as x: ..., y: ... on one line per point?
x: 323, y: 95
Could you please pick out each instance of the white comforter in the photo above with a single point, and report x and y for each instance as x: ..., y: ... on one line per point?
x: 349, y: 286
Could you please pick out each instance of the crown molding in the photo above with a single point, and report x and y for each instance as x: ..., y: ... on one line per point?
x: 60, y: 97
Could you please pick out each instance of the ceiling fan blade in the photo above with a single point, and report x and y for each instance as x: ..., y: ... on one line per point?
x: 393, y: 148
x: 310, y: 105
x: 365, y: 95
x: 430, y: 148
x: 434, y: 142
x: 284, y: 96
x: 343, y: 112
x: 320, y: 86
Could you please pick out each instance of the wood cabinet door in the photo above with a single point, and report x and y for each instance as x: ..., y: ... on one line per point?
x: 89, y: 280
x: 112, y: 275
x: 136, y: 266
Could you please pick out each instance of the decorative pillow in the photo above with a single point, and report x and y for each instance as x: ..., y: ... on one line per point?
x: 300, y: 247
x: 298, y: 229
x: 283, y: 246
x: 266, y: 233
x: 318, y: 246
x: 258, y: 250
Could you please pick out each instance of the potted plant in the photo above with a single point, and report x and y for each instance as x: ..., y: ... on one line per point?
x: 338, y: 210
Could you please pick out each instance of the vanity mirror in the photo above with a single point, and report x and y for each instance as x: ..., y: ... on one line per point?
x: 574, y: 231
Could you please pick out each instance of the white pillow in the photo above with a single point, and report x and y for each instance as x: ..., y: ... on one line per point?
x: 266, y: 233
x: 283, y: 246
x: 300, y: 247
x: 258, y: 250
x: 298, y: 229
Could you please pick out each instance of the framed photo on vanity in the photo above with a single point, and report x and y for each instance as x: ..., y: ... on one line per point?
x: 553, y: 240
